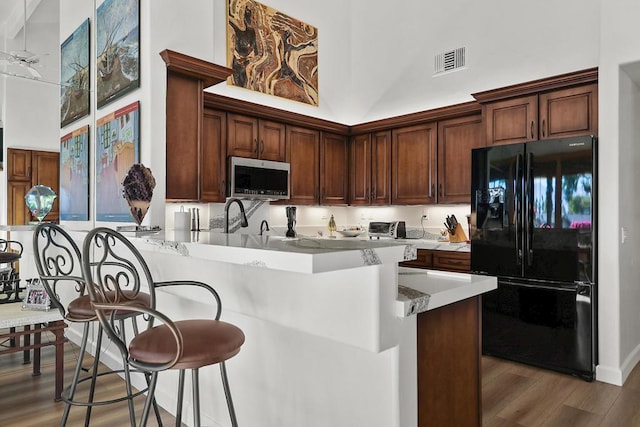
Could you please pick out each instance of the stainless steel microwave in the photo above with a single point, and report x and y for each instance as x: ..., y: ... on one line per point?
x: 259, y: 179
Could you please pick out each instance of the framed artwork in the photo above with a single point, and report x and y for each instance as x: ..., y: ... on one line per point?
x: 271, y: 52
x: 36, y: 296
x: 74, y: 75
x: 117, y: 149
x: 117, y: 49
x: 74, y: 175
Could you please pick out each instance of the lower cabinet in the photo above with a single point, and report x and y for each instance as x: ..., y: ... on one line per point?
x: 441, y: 260
x: 449, y: 365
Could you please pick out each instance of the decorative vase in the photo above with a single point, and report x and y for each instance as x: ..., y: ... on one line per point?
x: 39, y: 201
x: 137, y: 189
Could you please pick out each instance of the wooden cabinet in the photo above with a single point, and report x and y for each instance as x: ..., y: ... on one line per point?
x: 188, y: 172
x: 557, y: 107
x: 334, y: 168
x: 370, y: 169
x: 449, y: 365
x: 456, y: 138
x: 213, y: 157
x: 255, y: 138
x: 26, y: 168
x: 303, y: 153
x: 441, y: 260
x: 413, y: 164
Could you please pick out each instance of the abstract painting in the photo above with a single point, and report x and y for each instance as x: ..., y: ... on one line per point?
x: 74, y: 75
x: 117, y: 149
x: 271, y: 52
x: 117, y: 49
x: 74, y: 175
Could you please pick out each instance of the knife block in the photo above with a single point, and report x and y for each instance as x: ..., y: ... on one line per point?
x: 459, y: 236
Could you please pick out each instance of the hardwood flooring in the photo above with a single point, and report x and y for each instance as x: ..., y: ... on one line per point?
x: 519, y: 395
x: 513, y: 395
x: 27, y: 401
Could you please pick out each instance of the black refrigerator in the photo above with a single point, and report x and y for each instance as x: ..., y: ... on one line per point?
x: 533, y: 225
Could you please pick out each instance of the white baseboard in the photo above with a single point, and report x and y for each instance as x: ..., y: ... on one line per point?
x: 618, y: 375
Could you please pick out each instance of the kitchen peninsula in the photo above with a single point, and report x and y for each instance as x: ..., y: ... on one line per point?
x: 335, y: 335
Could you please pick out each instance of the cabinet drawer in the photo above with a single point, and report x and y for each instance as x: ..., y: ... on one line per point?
x: 454, y: 261
x: 424, y: 259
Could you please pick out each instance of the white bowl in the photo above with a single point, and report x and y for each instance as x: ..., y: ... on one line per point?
x: 350, y: 233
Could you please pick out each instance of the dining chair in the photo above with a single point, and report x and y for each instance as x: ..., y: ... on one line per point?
x: 58, y: 261
x: 170, y: 345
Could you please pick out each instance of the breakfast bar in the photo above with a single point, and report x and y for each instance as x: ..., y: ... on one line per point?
x: 334, y: 334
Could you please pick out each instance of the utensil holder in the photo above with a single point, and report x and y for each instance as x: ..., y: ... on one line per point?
x: 459, y: 236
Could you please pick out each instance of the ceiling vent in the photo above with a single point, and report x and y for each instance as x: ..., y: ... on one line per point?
x: 449, y: 61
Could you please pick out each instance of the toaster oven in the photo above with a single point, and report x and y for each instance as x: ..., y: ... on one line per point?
x: 392, y: 230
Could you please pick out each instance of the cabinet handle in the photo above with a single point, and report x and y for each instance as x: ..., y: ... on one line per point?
x: 373, y: 195
x: 440, y: 190
x: 261, y: 146
x: 531, y: 129
x: 543, y: 127
x: 433, y: 190
x: 222, y: 187
x: 255, y: 142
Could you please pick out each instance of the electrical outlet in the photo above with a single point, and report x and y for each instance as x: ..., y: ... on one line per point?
x: 425, y: 214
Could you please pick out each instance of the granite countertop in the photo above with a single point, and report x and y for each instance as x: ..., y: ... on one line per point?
x: 12, y: 315
x: 421, y: 290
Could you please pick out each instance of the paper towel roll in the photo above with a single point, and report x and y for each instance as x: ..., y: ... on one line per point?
x: 181, y: 221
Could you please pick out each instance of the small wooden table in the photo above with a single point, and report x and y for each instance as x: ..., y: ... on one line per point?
x: 33, y: 322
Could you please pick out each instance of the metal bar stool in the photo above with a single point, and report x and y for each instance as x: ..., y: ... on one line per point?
x: 173, y: 344
x: 58, y: 262
x: 9, y: 277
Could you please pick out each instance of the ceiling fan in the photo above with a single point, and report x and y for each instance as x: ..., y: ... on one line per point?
x: 23, y: 58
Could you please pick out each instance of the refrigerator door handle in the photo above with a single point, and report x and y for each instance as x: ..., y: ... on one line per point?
x: 529, y: 210
x: 566, y: 288
x: 517, y: 196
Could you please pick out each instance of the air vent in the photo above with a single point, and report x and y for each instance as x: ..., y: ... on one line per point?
x: 449, y: 61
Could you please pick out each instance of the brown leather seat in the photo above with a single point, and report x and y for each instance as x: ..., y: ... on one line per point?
x: 205, y: 342
x: 8, y: 257
x: 81, y: 310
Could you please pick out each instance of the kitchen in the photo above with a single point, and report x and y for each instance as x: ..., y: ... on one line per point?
x: 618, y: 353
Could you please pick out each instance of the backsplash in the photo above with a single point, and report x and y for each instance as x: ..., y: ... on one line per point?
x: 312, y: 219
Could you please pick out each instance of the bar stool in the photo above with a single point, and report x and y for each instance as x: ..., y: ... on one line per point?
x: 9, y: 278
x: 58, y: 262
x: 179, y: 345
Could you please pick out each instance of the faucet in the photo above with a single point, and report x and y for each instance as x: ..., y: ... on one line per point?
x: 265, y: 224
x: 243, y: 216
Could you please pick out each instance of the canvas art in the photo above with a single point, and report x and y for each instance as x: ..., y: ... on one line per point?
x: 74, y: 175
x: 74, y: 75
x: 117, y: 49
x: 271, y: 52
x: 117, y: 149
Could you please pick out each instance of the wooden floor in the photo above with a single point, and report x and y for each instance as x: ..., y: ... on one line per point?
x: 27, y: 401
x: 513, y: 395
x: 519, y: 395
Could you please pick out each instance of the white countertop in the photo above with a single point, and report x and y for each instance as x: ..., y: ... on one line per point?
x: 421, y: 290
x: 12, y: 315
x: 300, y: 254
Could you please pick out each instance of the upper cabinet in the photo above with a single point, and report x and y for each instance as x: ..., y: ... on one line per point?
x: 556, y: 107
x: 255, y: 138
x: 189, y: 131
x: 370, y: 169
x: 213, y: 156
x: 303, y: 153
x: 456, y: 138
x: 334, y: 169
x: 413, y: 164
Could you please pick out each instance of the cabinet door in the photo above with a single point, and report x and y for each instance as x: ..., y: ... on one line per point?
x: 360, y: 170
x: 424, y: 259
x: 303, y: 153
x: 242, y: 138
x: 569, y: 112
x: 272, y: 137
x: 381, y: 168
x: 512, y: 120
x: 452, y: 261
x: 333, y: 169
x: 46, y: 171
x: 456, y: 138
x: 213, y: 156
x: 184, y: 121
x: 413, y: 165
x: 18, y: 165
x: 17, y: 213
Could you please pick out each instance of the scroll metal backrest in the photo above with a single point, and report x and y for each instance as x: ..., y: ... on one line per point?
x: 117, y: 273
x: 57, y: 259
x: 5, y: 245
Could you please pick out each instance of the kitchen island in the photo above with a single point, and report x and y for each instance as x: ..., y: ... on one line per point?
x: 333, y: 330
